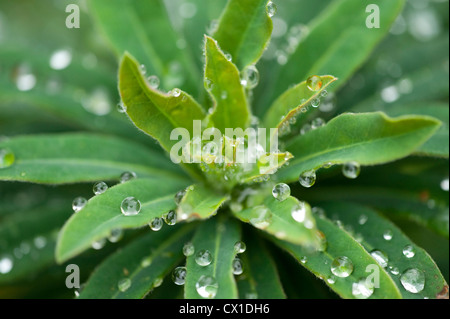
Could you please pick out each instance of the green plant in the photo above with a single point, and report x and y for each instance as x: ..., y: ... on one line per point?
x: 213, y: 209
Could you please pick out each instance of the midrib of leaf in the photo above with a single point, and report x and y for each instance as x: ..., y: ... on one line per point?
x: 216, y: 246
x: 157, y: 251
x: 331, y: 150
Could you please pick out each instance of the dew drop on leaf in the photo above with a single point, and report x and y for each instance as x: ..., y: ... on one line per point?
x: 78, y: 203
x: 121, y: 108
x: 153, y: 81
x: 307, y: 179
x: 124, y: 284
x: 239, y: 247
x: 315, y: 102
x: 351, y: 170
x: 175, y: 92
x: 342, y: 267
x: 100, y: 188
x: 143, y: 69
x: 238, y: 269
x: 380, y: 257
x: 115, y: 235
x: 281, y: 192
x: 317, y: 122
x: 7, y: 158
x: 207, y: 287
x: 60, y: 59
x: 388, y: 235
x: 314, y: 83
x: 250, y: 77
x: 179, y: 276
x: 158, y: 282
x: 156, y: 224
x: 394, y: 270
x: 303, y: 259
x: 271, y: 9
x: 263, y: 217
x: 409, y: 251
x: 130, y: 206
x: 445, y: 185
x: 413, y: 280
x: 179, y: 196
x: 170, y: 218
x: 99, y: 244
x: 6, y: 264
x: 203, y: 258
x: 362, y: 219
x: 298, y: 212
x: 362, y: 289
x: 188, y: 249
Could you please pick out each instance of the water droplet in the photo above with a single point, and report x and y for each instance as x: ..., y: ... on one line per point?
x: 317, y: 122
x: 7, y: 158
x: 342, y: 267
x: 147, y: 261
x: 175, y: 92
x: 237, y: 266
x: 315, y: 102
x: 331, y: 280
x: 156, y: 224
x: 239, y: 247
x: 307, y: 179
x: 409, y: 251
x: 203, y: 258
x: 362, y: 219
x: 380, y: 257
x: 124, y: 284
x: 170, y: 218
x: 388, y: 234
x: 78, y: 203
x: 143, y: 69
x: 98, y: 102
x: 60, y: 59
x: 228, y: 56
x: 209, y: 84
x: 314, y: 83
x: 251, y: 295
x: 281, y: 192
x: 271, y: 9
x: 394, y: 270
x: 263, y: 217
x: 305, y: 129
x: 121, y: 108
x: 99, y: 244
x: 303, y: 259
x: 413, y: 280
x: 324, y: 93
x: 298, y: 212
x: 6, y: 264
x: 179, y: 276
x: 126, y: 176
x: 207, y: 287
x: 153, y: 81
x: 115, y: 235
x: 187, y: 10
x: 40, y: 242
x: 25, y: 80
x: 158, y: 282
x: 99, y: 188
x: 212, y: 27
x: 188, y: 249
x: 130, y: 206
x: 390, y: 94
x: 362, y: 289
x: 179, y: 196
x: 250, y: 77
x: 444, y: 183
x: 351, y: 170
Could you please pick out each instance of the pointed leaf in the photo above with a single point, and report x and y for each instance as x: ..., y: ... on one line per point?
x: 75, y: 158
x: 218, y: 236
x: 222, y: 81
x: 267, y: 165
x: 244, y: 30
x: 372, y: 233
x: 367, y: 138
x: 341, y: 244
x: 143, y: 262
x: 275, y: 218
x: 102, y: 213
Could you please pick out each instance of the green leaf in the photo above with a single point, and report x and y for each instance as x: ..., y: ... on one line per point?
x: 267, y: 165
x: 274, y: 217
x: 78, y: 157
x: 289, y: 104
x: 340, y: 243
x: 102, y: 213
x: 222, y: 81
x: 260, y: 277
x: 372, y: 232
x: 338, y: 42
x: 200, y: 202
x: 218, y: 236
x: 367, y: 138
x: 244, y: 30
x: 144, y: 29
x: 144, y: 262
x: 154, y: 112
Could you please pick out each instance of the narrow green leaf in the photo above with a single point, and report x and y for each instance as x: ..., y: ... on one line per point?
x: 267, y: 165
x: 372, y: 234
x: 102, y: 213
x: 341, y: 244
x: 200, y: 202
x: 244, y: 30
x: 260, y: 277
x: 367, y: 138
x: 142, y: 263
x: 143, y: 28
x: 218, y: 236
x: 222, y: 81
x: 339, y: 41
x: 154, y: 112
x: 77, y: 157
x: 275, y: 218
x: 290, y: 103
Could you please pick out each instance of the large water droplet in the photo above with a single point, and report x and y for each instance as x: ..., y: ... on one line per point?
x: 237, y: 266
x: 124, y: 284
x: 250, y: 77
x: 281, y: 191
x: 130, y: 206
x: 362, y: 289
x: 263, y: 217
x: 7, y: 158
x: 271, y: 9
x: 239, y: 247
x: 380, y: 257
x: 351, y: 170
x: 156, y: 224
x: 307, y: 179
x: 207, y: 287
x: 127, y: 176
x: 342, y: 267
x: 179, y: 276
x: 153, y: 81
x: 170, y: 218
x: 6, y: 264
x: 203, y: 258
x: 60, y: 59
x: 413, y: 280
x: 179, y: 196
x: 188, y: 249
x: 100, y: 188
x: 315, y: 102
x: 314, y: 83
x: 175, y: 92
x: 409, y: 251
x: 78, y: 203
